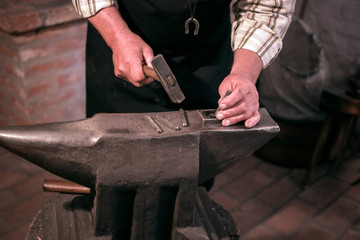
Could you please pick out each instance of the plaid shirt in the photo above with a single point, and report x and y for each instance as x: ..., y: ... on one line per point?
x: 259, y: 25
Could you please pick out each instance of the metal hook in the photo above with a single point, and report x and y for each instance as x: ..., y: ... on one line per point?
x: 197, y: 25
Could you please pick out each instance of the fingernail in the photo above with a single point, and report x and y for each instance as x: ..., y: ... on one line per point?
x: 222, y: 106
x: 226, y: 123
x: 220, y: 116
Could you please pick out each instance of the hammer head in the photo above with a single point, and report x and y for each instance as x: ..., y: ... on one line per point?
x: 167, y: 79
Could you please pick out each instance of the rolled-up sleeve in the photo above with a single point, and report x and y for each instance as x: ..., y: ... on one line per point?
x: 260, y: 26
x: 88, y: 8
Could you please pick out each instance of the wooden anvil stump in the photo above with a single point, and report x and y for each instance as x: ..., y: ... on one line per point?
x: 144, y: 182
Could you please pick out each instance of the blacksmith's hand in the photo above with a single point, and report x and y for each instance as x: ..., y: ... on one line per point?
x: 129, y: 50
x: 243, y: 102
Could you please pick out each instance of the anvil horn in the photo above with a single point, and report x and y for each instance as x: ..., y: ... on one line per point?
x: 60, y: 148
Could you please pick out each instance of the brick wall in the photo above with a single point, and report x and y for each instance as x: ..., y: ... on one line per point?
x: 42, y: 69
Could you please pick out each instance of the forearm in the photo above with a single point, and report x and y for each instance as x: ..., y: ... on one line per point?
x: 247, y: 65
x: 110, y: 25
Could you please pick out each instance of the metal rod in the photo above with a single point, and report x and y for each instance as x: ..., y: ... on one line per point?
x: 153, y: 124
x: 184, y: 118
x: 64, y: 187
x: 167, y: 123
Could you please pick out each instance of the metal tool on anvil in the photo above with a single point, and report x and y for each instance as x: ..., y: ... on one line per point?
x: 162, y: 73
x: 142, y: 185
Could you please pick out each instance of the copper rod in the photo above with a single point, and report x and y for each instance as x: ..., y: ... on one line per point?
x: 64, y: 187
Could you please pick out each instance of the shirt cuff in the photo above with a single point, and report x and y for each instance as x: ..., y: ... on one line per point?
x: 258, y: 38
x: 90, y: 8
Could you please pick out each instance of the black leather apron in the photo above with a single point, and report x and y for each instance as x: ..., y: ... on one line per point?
x: 199, y: 62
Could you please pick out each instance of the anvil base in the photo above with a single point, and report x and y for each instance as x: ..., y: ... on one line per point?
x: 69, y: 217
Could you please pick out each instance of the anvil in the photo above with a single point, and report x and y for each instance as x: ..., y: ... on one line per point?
x: 144, y: 184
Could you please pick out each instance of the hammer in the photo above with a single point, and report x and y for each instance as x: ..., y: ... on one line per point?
x: 162, y: 73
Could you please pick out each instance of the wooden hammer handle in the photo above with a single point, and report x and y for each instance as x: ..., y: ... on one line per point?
x: 150, y: 72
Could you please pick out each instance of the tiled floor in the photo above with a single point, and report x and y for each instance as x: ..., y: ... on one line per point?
x: 265, y: 200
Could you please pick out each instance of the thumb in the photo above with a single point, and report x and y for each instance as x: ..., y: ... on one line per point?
x: 148, y: 55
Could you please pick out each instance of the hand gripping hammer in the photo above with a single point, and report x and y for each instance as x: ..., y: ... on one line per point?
x: 162, y: 73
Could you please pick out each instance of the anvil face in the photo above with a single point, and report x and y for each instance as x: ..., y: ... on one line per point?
x: 117, y: 154
x: 76, y: 150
